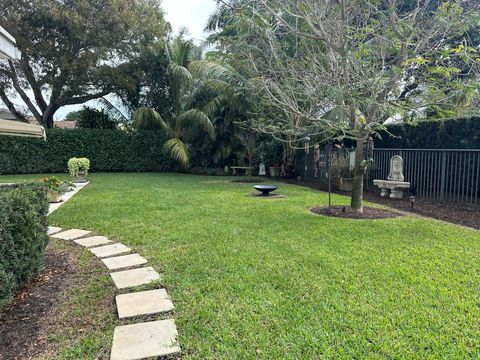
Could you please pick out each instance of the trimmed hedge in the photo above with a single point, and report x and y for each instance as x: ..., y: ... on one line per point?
x: 108, y: 150
x: 440, y: 134
x: 23, y: 236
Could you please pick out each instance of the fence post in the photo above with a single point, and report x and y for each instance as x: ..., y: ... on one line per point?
x: 443, y: 176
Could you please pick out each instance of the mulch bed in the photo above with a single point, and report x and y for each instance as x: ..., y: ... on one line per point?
x: 248, y: 181
x: 456, y: 214
x: 347, y: 213
x: 25, y: 319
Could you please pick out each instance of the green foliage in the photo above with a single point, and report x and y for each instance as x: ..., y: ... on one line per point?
x: 108, y: 150
x: 96, y: 46
x: 54, y: 184
x: 286, y: 284
x: 78, y: 164
x: 90, y: 118
x: 444, y: 134
x: 23, y: 236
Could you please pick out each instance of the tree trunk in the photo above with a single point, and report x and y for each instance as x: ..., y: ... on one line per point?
x: 358, y: 173
x: 47, y: 120
x: 288, y: 166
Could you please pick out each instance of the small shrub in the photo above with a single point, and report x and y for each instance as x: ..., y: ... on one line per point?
x: 75, y: 165
x: 23, y: 236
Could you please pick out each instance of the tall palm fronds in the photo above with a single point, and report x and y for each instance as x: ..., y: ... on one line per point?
x: 186, y: 119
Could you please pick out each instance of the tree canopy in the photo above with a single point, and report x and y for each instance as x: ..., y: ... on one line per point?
x: 74, y: 51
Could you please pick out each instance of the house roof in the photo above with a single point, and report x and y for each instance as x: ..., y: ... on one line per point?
x: 8, y: 46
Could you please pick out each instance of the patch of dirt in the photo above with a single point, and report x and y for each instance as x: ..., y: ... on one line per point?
x: 25, y: 319
x: 248, y: 181
x: 456, y: 214
x: 369, y: 213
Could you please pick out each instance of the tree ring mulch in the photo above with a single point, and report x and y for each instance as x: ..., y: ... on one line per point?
x: 248, y: 181
x: 369, y: 213
x: 271, y: 196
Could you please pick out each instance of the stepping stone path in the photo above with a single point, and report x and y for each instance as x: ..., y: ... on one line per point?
x: 134, y: 277
x: 140, y: 340
x: 93, y: 241
x: 53, y: 230
x: 124, y: 261
x: 144, y: 340
x: 110, y: 250
x: 143, y: 303
x: 71, y: 234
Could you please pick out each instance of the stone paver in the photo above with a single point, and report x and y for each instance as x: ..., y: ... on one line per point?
x: 124, y: 261
x: 71, y: 234
x: 93, y: 241
x: 143, y: 303
x: 134, y: 277
x: 110, y: 250
x: 53, y: 230
x: 144, y: 340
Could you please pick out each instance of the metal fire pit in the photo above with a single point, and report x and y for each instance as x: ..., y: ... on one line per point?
x: 265, y: 189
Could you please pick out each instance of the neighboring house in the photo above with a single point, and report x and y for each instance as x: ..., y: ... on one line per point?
x: 8, y: 46
x: 9, y: 51
x: 64, y: 124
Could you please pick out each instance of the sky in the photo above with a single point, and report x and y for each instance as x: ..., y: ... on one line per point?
x: 192, y: 14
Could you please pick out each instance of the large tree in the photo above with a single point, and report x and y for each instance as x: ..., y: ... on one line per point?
x: 75, y: 50
x: 356, y: 63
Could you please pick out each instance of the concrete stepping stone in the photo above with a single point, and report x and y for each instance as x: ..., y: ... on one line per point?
x: 124, y: 261
x: 144, y: 340
x: 143, y: 303
x: 53, y: 230
x: 93, y: 241
x: 110, y: 250
x: 134, y: 277
x: 71, y: 234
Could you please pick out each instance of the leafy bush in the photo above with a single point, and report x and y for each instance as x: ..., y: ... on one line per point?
x: 461, y: 133
x: 78, y: 164
x: 23, y: 236
x: 108, y: 150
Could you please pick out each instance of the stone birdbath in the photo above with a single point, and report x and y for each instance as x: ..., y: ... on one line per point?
x: 265, y: 189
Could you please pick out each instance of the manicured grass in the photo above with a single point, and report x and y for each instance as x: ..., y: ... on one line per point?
x: 261, y: 278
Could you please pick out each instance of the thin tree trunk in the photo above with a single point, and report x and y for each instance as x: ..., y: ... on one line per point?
x: 359, y: 171
x: 288, y: 168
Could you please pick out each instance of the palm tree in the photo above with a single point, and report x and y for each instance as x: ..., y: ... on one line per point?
x: 185, y: 119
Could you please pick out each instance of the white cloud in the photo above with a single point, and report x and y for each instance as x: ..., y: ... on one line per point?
x: 192, y: 14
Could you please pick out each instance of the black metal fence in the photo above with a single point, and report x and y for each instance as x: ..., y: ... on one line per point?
x: 450, y: 175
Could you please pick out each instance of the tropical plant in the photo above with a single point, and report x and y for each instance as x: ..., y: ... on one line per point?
x: 75, y: 165
x: 184, y: 120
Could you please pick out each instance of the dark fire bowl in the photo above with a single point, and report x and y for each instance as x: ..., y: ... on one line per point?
x: 265, y: 189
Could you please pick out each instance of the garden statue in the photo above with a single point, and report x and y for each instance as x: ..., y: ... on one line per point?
x: 395, y: 183
x: 261, y: 170
x: 396, y: 169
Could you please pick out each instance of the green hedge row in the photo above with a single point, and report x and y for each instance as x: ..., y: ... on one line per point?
x: 23, y: 236
x: 440, y: 134
x: 108, y: 150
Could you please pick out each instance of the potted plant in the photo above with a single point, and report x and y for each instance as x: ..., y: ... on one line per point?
x: 78, y: 168
x: 55, y: 188
x: 345, y: 181
x: 275, y: 170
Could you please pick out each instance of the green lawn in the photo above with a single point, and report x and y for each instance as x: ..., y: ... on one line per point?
x: 261, y: 278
